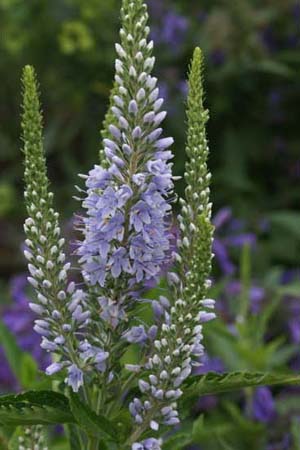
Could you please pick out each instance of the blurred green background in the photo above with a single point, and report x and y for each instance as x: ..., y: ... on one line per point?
x: 252, y: 83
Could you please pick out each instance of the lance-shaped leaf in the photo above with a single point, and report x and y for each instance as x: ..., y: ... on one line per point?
x: 214, y: 383
x: 35, y: 407
x: 92, y: 423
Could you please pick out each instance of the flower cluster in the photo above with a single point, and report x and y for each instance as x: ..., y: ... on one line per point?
x: 147, y: 444
x: 179, y: 339
x: 60, y: 306
x: 32, y: 437
x: 126, y: 228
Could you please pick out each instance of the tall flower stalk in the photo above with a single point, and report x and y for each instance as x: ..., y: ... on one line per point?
x: 58, y: 304
x: 126, y: 226
x: 178, y: 345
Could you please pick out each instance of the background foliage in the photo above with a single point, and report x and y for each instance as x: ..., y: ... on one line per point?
x: 252, y: 52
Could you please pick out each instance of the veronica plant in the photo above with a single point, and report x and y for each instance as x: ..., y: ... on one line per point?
x: 125, y: 245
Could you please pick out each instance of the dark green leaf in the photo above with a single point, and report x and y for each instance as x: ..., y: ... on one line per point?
x: 197, y: 426
x: 92, y: 423
x: 295, y: 428
x: 275, y: 68
x: 3, y: 439
x: 35, y: 407
x: 214, y: 383
x: 73, y: 437
x: 177, y: 441
x: 122, y: 424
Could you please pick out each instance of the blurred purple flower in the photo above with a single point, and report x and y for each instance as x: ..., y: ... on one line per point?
x: 292, y: 304
x: 293, y: 40
x: 175, y: 27
x: 217, y: 57
x: 269, y: 40
x: 209, y: 364
x: 295, y: 363
x: 256, y: 294
x: 171, y: 27
x: 183, y: 87
x: 206, y: 403
x: 263, y: 406
x: 294, y: 320
x: 164, y: 91
x: 296, y: 11
x: 276, y: 111
x: 284, y: 444
x: 228, y: 234
x: 156, y: 8
x: 290, y: 275
x: 20, y: 320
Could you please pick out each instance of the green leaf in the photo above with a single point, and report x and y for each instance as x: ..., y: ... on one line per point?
x: 214, y: 383
x: 224, y: 445
x: 288, y: 405
x: 288, y: 221
x: 227, y: 429
x: 290, y: 289
x: 14, y: 441
x: 295, y: 428
x: 261, y: 321
x: 3, y: 439
x: 198, y: 426
x: 73, y: 437
x: 92, y: 423
x: 22, y: 364
x: 122, y: 424
x: 275, y: 68
x: 29, y: 371
x: 35, y: 407
x: 177, y: 441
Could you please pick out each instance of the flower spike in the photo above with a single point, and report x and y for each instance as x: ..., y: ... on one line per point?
x: 195, y: 219
x: 179, y: 338
x: 57, y: 303
x: 126, y: 229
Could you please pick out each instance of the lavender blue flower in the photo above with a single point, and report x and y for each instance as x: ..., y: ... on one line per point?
x: 229, y: 233
x: 263, y: 406
x: 256, y: 294
x: 74, y: 378
x: 126, y: 228
x: 147, y: 444
x: 112, y: 311
x: 172, y: 27
x: 136, y: 335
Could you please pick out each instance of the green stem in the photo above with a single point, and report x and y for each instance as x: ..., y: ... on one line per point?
x: 142, y: 428
x: 92, y: 443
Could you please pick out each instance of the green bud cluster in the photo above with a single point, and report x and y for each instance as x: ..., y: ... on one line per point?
x: 32, y: 438
x: 195, y: 218
x: 57, y: 303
